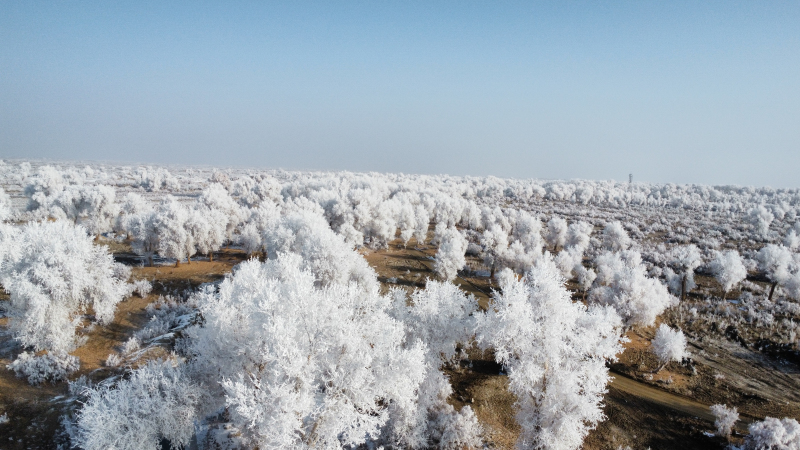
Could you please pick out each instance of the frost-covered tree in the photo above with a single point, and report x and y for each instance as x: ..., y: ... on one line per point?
x: 324, y: 253
x: 216, y: 197
x: 623, y: 283
x: 441, y: 317
x: 157, y: 179
x: 42, y: 187
x: 724, y: 419
x: 450, y: 256
x: 169, y: 224
x: 299, y: 366
x: 669, y: 345
x: 54, y: 274
x: 206, y: 228
x: 422, y: 223
x: 684, y: 259
x: 133, y: 210
x: 556, y: 233
x: 578, y: 236
x: 615, y: 238
x: 94, y: 207
x: 760, y: 218
x: 773, y: 434
x: 5, y: 205
x: 157, y: 402
x: 728, y: 268
x: 792, y: 239
x: 555, y: 351
x: 776, y: 262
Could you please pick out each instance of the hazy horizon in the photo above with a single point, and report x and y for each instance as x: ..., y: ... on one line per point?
x: 673, y: 93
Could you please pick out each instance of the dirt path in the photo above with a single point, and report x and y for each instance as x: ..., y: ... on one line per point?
x: 668, y: 399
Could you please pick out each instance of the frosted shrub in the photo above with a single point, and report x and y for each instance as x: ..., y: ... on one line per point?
x: 323, y: 252
x: 450, y: 256
x: 760, y: 218
x: 773, y: 434
x: 156, y: 403
x: 54, y: 274
x: 555, y: 352
x: 130, y: 346
x: 157, y: 179
x: 113, y: 360
x: 724, y: 419
x: 728, y: 269
x: 669, y: 345
x: 622, y: 283
x: 556, y: 233
x: 142, y: 288
x: 53, y: 366
x: 615, y: 238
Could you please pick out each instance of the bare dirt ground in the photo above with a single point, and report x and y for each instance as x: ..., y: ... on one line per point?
x: 669, y: 409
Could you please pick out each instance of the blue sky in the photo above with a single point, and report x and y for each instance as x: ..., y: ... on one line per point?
x: 686, y: 92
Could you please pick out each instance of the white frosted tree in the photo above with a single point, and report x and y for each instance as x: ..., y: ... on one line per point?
x: 206, y: 228
x: 133, y: 210
x: 556, y: 233
x: 449, y: 257
x: 169, y: 224
x: 615, y: 238
x: 773, y: 434
x: 216, y: 197
x: 5, y: 205
x: 555, y: 351
x: 792, y: 239
x: 669, y: 345
x: 776, y: 262
x: 94, y: 207
x: 623, y: 283
x: 157, y: 402
x: 724, y: 419
x: 299, y: 366
x: 684, y: 259
x: 55, y: 274
x: 441, y: 317
x: 760, y: 218
x: 728, y: 268
x: 324, y: 252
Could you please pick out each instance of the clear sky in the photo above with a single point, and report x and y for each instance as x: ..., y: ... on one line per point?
x: 685, y: 92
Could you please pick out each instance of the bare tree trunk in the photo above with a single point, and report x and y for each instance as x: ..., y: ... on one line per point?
x: 150, y: 260
x: 188, y: 259
x: 177, y: 263
x: 683, y: 287
x: 211, y: 256
x: 772, y: 290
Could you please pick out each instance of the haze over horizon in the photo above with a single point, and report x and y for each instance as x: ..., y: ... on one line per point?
x: 680, y: 92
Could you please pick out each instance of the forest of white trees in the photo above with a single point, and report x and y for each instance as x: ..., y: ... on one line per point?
x: 301, y: 347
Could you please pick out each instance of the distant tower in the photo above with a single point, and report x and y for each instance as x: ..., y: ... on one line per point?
x: 630, y: 178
